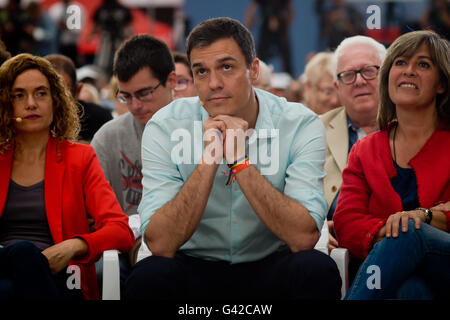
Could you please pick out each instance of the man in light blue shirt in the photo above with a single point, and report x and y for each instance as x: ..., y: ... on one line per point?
x: 233, y: 196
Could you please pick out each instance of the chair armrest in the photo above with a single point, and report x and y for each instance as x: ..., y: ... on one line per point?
x: 322, y: 243
x: 341, y: 257
x: 111, y: 275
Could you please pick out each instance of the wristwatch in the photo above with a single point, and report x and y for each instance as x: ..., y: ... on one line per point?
x: 428, y: 214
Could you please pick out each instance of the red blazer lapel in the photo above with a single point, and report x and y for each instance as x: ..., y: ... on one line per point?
x: 5, y: 176
x: 53, y: 186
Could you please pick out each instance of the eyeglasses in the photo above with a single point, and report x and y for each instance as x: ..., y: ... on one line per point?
x: 368, y: 73
x: 327, y: 91
x: 143, y: 95
x: 182, y: 84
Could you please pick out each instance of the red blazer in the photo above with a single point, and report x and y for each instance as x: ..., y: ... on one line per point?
x: 367, y: 197
x: 75, y: 185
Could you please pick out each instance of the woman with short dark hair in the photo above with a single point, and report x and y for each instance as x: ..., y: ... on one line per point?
x: 393, y: 209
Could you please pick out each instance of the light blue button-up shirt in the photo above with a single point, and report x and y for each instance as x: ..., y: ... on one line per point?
x: 287, y: 147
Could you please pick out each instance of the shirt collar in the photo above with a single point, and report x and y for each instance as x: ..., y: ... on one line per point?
x: 351, y: 125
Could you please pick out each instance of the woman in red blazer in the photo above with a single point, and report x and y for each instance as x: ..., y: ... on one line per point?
x: 393, y: 208
x: 48, y: 188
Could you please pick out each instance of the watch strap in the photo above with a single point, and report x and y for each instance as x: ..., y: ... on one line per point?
x: 428, y: 214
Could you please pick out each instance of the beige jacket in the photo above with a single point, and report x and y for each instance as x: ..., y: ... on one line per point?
x: 335, y: 123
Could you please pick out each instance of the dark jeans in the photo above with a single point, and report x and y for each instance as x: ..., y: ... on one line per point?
x: 415, y: 265
x: 25, y: 274
x: 307, y: 274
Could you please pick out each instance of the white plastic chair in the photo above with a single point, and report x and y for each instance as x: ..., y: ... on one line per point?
x: 111, y: 271
x: 339, y: 255
x: 111, y: 275
x: 143, y: 252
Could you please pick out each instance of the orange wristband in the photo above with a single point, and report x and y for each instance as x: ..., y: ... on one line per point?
x: 235, y: 168
x: 239, y: 167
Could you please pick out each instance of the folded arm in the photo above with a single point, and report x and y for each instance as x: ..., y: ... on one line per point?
x: 173, y: 223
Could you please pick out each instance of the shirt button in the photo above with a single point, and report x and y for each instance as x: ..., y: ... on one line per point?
x: 368, y: 235
x: 234, y: 251
x: 235, y: 221
x: 333, y: 188
x: 236, y: 188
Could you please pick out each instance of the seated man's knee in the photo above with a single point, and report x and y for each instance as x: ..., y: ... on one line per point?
x: 154, y: 277
x: 318, y: 275
x: 315, y: 262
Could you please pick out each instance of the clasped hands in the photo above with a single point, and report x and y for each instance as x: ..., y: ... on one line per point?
x: 224, y: 137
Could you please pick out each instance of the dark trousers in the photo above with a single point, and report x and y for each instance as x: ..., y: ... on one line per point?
x: 25, y: 274
x: 307, y: 274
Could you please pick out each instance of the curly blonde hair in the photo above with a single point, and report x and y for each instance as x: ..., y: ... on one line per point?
x: 66, y: 123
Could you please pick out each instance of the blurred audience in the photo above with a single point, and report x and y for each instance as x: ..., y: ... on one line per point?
x: 12, y: 22
x: 68, y: 39
x: 185, y: 82
x: 92, y: 116
x: 264, y: 77
x: 89, y: 93
x: 4, y: 53
x: 109, y: 93
x: 297, y: 91
x: 320, y: 94
x: 114, y: 22
x: 280, y: 85
x: 43, y: 30
x: 437, y: 18
x: 338, y: 21
x: 89, y: 74
x: 276, y: 18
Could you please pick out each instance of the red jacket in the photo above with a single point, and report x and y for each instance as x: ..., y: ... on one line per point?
x: 75, y: 185
x: 367, y: 197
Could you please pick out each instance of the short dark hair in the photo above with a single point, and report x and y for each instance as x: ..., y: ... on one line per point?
x: 63, y: 64
x: 179, y: 57
x: 215, y: 29
x: 143, y: 51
